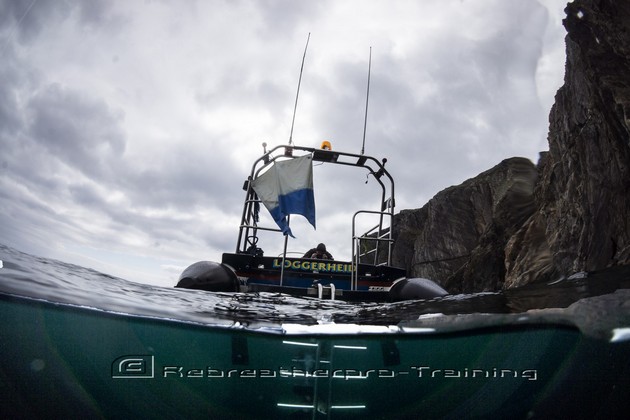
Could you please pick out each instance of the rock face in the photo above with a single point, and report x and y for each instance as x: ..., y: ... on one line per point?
x: 458, y: 238
x: 583, y: 197
x: 516, y: 223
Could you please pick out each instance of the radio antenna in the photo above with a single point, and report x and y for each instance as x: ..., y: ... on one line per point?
x: 297, y: 95
x: 367, y: 99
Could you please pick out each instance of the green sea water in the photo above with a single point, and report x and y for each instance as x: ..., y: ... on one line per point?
x: 79, y: 344
x: 72, y: 362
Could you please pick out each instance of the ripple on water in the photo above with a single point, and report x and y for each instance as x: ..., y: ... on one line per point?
x: 596, y: 303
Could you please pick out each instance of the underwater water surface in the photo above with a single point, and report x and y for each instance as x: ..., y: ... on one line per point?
x: 76, y: 342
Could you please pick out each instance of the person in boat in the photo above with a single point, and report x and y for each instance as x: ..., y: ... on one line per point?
x: 319, y: 253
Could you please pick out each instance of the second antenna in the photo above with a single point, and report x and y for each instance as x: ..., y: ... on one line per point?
x: 297, y: 95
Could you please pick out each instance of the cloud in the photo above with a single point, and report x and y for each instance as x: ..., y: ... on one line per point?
x: 128, y: 128
x: 77, y: 130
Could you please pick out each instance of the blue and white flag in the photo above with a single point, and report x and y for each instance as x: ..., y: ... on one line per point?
x: 287, y: 188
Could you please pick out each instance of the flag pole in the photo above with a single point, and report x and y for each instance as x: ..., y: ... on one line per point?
x: 284, y: 252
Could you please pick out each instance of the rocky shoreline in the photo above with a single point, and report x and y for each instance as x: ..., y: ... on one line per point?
x: 519, y: 223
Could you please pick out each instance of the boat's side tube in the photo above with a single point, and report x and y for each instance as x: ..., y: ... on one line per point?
x: 415, y: 288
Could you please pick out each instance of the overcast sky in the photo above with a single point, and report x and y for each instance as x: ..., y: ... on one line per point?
x: 128, y: 127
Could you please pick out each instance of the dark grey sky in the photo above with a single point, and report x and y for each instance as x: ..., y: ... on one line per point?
x: 127, y: 128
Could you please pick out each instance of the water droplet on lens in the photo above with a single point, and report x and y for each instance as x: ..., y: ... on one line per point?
x: 37, y: 365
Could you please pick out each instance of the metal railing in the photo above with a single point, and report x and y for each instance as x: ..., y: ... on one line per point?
x: 248, y: 228
x: 377, y: 234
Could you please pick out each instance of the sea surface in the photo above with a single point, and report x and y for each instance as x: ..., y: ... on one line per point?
x: 76, y: 342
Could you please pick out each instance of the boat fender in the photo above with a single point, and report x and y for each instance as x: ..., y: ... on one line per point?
x: 209, y: 275
x: 415, y: 288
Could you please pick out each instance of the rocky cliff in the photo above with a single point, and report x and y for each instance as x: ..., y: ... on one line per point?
x: 516, y: 224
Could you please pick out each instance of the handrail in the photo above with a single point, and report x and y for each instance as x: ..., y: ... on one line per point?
x: 356, y: 243
x: 320, y: 290
x: 261, y: 228
x: 383, y: 236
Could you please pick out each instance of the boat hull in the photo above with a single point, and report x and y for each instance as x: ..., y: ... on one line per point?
x: 305, y: 272
x: 324, y: 279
